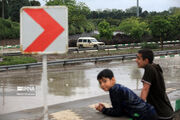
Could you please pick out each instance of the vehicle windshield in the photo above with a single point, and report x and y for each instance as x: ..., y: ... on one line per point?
x: 94, y: 40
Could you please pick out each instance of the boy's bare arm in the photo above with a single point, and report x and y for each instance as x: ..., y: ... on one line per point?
x: 145, y: 91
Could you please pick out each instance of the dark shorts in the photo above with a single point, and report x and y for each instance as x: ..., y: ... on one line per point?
x: 149, y: 115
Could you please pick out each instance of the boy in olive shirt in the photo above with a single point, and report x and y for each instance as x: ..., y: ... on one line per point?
x: 154, y: 90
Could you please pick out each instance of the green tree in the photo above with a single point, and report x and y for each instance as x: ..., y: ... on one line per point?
x: 14, y: 8
x: 175, y: 22
x: 134, y: 27
x: 35, y: 3
x: 160, y: 27
x: 77, y: 13
x: 107, y: 13
x: 105, y: 30
x: 144, y: 14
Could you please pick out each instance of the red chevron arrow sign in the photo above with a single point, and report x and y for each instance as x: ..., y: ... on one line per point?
x: 44, y: 30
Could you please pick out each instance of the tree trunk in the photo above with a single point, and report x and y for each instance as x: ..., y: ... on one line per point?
x: 161, y: 43
x: 3, y: 9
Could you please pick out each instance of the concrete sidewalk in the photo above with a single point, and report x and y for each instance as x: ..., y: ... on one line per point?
x: 83, y: 109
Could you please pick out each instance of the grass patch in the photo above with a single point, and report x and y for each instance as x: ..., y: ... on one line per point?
x: 13, y: 60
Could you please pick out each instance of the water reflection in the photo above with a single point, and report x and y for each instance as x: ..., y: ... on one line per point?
x: 11, y: 80
x: 65, y: 83
x: 136, y: 74
x: 171, y: 68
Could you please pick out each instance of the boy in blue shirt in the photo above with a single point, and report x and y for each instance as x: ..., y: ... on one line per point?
x: 124, y: 101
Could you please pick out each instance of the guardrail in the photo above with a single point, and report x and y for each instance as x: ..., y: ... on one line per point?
x: 121, y: 46
x: 82, y: 60
x: 101, y: 47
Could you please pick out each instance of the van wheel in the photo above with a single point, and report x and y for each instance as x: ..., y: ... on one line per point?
x: 80, y: 46
x: 96, y: 46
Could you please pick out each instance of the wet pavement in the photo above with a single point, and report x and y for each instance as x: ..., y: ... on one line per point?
x: 65, y: 84
x: 73, y: 89
x: 77, y: 110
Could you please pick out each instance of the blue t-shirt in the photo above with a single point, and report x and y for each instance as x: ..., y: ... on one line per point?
x: 125, y: 102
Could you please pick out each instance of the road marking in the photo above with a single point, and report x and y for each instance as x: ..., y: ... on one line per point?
x: 65, y: 115
x: 170, y: 89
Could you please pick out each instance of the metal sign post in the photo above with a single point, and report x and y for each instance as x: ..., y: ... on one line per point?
x: 45, y: 86
x: 44, y: 30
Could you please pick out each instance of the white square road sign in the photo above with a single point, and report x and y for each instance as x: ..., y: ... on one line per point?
x: 44, y: 30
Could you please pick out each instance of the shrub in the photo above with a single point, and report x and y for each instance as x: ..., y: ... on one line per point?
x: 72, y: 43
x: 149, y: 46
x: 9, y: 29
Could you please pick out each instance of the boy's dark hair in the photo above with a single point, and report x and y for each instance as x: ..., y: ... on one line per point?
x: 107, y: 73
x: 147, y: 53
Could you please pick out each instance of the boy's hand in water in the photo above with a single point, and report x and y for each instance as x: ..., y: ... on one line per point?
x: 100, y: 107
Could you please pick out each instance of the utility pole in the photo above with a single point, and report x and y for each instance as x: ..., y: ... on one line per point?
x: 137, y: 8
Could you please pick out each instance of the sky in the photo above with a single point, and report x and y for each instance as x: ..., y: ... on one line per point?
x: 149, y: 5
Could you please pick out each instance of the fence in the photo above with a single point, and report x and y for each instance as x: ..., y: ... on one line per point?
x: 82, y: 60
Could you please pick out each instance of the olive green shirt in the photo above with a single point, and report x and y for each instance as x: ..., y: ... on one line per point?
x: 157, y: 96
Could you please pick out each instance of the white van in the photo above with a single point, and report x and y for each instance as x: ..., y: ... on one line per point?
x: 88, y: 42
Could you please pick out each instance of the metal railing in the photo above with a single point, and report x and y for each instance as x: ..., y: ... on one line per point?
x: 82, y: 60
x: 106, y: 47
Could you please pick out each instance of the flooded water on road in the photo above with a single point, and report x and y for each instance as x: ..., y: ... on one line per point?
x: 73, y: 82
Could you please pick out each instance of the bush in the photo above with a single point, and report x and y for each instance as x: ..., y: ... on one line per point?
x: 123, y: 39
x: 105, y: 30
x: 72, y: 30
x: 72, y: 43
x: 9, y: 29
x: 13, y: 60
x: 149, y: 46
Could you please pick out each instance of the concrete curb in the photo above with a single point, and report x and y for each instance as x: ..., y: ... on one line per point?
x: 80, y: 109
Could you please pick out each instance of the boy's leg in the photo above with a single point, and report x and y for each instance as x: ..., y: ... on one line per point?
x: 150, y: 115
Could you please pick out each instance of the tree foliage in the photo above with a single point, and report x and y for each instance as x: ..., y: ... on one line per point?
x: 35, y: 3
x: 8, y: 29
x: 14, y: 8
x: 134, y: 27
x: 160, y: 27
x: 77, y: 13
x: 81, y: 19
x: 105, y: 30
x: 173, y: 33
x: 114, y: 13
